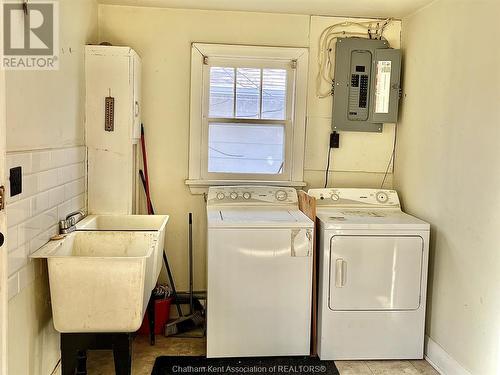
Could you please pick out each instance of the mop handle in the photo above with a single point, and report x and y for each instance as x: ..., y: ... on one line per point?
x: 146, y: 176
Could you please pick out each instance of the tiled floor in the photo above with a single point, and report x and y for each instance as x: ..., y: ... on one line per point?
x: 144, y: 355
x: 101, y: 362
x: 385, y: 368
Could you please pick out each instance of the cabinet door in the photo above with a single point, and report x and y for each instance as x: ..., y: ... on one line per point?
x: 110, y: 189
x: 108, y: 75
x: 110, y: 152
x: 137, y: 105
x: 375, y: 272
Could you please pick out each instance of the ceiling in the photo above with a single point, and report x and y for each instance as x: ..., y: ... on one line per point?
x: 354, y: 8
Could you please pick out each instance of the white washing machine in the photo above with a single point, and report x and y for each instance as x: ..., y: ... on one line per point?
x: 372, y: 276
x: 259, y: 272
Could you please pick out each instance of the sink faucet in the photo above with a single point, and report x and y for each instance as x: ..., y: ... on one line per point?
x: 69, y: 225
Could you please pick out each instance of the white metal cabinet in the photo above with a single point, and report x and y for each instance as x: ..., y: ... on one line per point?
x: 112, y: 171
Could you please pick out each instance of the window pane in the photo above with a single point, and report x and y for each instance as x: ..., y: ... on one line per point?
x: 246, y: 148
x: 274, y: 94
x: 221, y: 92
x: 248, y: 93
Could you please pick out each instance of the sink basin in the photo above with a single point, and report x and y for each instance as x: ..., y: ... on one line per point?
x: 155, y: 223
x: 100, y: 281
x: 123, y: 222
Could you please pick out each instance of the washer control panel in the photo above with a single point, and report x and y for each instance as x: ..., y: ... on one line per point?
x: 346, y: 197
x: 251, y: 195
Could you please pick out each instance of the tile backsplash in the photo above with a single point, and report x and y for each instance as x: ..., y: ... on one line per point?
x: 53, y: 185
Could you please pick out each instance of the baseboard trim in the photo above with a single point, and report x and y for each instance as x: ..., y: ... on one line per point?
x: 441, y: 360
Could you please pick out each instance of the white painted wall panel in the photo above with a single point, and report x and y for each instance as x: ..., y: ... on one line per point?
x: 448, y: 172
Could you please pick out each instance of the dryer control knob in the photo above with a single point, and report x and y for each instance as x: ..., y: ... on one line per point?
x: 335, y: 197
x: 281, y: 195
x: 220, y: 196
x: 233, y: 195
x: 382, y: 197
x: 247, y: 195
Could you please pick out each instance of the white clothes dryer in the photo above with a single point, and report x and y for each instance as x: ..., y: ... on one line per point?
x: 372, y: 276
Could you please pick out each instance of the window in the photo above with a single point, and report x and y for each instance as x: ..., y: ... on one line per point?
x: 247, y: 120
x: 247, y: 115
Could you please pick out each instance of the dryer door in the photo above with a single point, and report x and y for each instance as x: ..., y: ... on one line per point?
x: 375, y: 272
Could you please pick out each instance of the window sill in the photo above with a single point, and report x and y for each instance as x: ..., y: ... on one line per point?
x: 201, y: 186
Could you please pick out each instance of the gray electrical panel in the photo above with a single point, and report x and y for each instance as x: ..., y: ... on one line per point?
x: 367, y: 84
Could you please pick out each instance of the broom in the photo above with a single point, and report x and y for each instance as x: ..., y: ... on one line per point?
x: 194, y: 319
x: 183, y: 323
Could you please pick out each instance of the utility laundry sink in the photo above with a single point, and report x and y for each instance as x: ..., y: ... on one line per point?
x: 100, y: 280
x: 127, y: 223
x: 123, y: 222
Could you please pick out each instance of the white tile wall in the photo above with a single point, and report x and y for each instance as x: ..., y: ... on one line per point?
x: 54, y: 185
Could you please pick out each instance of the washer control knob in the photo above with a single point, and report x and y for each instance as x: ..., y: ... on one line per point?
x: 247, y: 195
x: 221, y: 196
x: 233, y: 195
x: 335, y: 197
x: 382, y: 197
x: 281, y: 195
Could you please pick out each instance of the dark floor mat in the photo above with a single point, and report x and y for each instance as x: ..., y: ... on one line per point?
x: 167, y: 365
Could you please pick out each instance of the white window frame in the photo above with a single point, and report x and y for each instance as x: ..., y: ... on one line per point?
x: 203, y: 56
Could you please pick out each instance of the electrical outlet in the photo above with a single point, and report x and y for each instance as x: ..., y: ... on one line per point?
x: 334, y: 140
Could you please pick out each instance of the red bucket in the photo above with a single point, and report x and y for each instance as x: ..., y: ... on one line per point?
x: 162, y: 315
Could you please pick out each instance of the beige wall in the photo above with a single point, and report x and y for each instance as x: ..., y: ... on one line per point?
x: 163, y: 38
x: 362, y: 158
x: 448, y: 170
x: 44, y: 110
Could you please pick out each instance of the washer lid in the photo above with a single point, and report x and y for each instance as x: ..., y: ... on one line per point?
x: 257, y: 217
x: 366, y: 218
